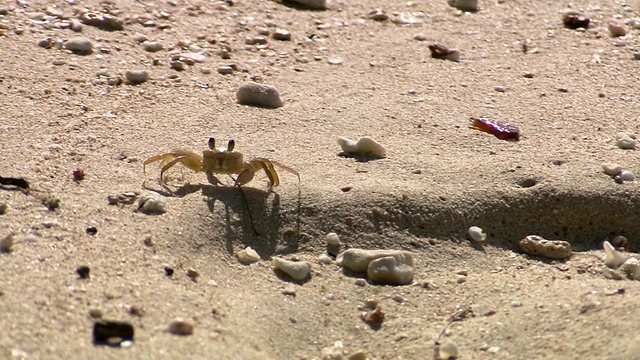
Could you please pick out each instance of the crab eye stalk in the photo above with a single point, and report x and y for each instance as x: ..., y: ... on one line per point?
x: 231, y: 145
x: 212, y: 143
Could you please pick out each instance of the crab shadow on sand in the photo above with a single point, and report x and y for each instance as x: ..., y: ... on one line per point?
x: 259, y: 213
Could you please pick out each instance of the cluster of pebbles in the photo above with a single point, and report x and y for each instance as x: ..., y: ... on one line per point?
x: 388, y: 267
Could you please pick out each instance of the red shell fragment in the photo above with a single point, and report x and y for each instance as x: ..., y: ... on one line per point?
x: 501, y: 129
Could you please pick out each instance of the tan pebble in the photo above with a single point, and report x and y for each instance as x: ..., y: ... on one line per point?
x: 617, y: 29
x: 539, y: 246
x: 6, y: 244
x: 387, y: 270
x: 252, y: 93
x: 611, y: 169
x: 247, y: 256
x: 181, y: 327
x: 448, y: 350
x: 358, y: 259
x: 192, y: 274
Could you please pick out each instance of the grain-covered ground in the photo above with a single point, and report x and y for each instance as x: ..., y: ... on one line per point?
x: 341, y: 74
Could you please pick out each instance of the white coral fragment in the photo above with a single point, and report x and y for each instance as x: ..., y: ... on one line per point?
x: 364, y: 146
x: 612, y: 258
x: 631, y: 267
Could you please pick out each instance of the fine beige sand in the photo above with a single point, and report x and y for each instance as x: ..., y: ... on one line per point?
x: 341, y: 74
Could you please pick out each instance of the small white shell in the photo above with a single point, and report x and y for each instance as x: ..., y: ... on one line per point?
x: 364, y: 146
x: 612, y: 258
x: 477, y: 234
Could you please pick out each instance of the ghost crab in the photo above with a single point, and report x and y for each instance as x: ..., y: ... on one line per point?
x: 221, y: 161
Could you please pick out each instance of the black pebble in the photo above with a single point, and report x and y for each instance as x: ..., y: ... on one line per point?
x: 92, y: 230
x: 83, y: 271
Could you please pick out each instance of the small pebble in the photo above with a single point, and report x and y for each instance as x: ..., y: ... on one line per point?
x: 361, y: 282
x: 358, y: 259
x: 332, y: 239
x: 358, y: 355
x: 78, y: 175
x: 6, y: 244
x: 256, y: 94
x: 312, y: 4
x: 539, y: 246
x: 192, y: 274
x: 102, y: 20
x: 378, y: 15
x: 631, y: 267
x: 80, y: 45
x: 75, y: 25
x: 95, y: 313
x: 168, y: 270
x: 136, y: 76
x: 387, y: 270
x: 611, y: 169
x: 46, y: 43
x: 83, y: 272
x: 181, y: 327
x: 335, y: 60
x: 178, y: 65
x: 626, y: 175
x: 420, y: 37
x: 374, y: 317
x: 297, y: 270
x: 617, y: 29
x: 247, y: 256
x: 92, y: 230
x: 256, y: 40
x: 324, y: 259
x: 289, y: 290
x: 477, y: 234
x: 499, y: 89
x: 51, y: 202
x: 225, y: 70
x: 624, y: 141
x: 152, y: 46
x: 151, y: 204
x: 3, y: 208
x: 281, y: 34
x: 192, y: 57
x: 573, y: 19
x: 464, y: 5
x: 364, y: 146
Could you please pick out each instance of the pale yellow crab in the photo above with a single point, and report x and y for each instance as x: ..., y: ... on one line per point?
x: 220, y: 161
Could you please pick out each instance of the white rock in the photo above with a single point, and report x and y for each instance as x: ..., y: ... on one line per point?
x: 626, y: 175
x: 79, y: 45
x: 611, y: 169
x: 195, y: 57
x: 612, y: 258
x: 624, y: 141
x: 631, y: 267
x: 364, y: 146
x: 298, y: 270
x: 252, y: 93
x: 617, y: 29
x: 539, y: 246
x: 136, y: 76
x: 324, y: 259
x: 248, y: 256
x: 358, y: 259
x: 152, y: 46
x: 151, y: 203
x: 477, y: 234
x: 387, y: 270
x: 464, y: 5
x: 332, y: 239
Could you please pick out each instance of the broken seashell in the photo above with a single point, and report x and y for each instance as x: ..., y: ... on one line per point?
x: 247, y: 256
x: 631, y: 267
x: 612, y: 258
x: 364, y: 146
x: 477, y: 234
